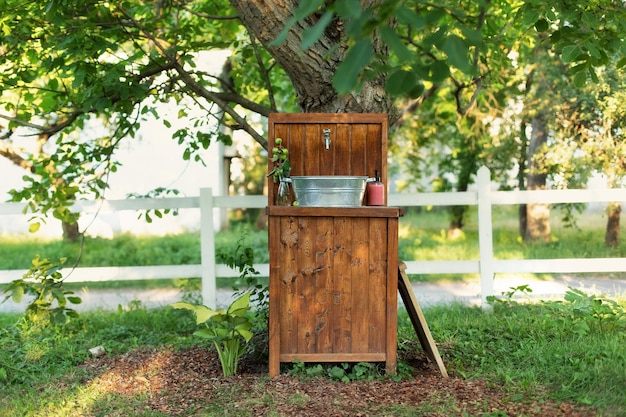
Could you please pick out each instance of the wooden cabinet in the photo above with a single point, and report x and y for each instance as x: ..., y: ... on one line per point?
x: 333, y: 285
x: 333, y: 270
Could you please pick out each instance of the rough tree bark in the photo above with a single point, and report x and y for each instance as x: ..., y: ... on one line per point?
x: 611, y: 237
x: 537, y: 215
x: 521, y: 178
x: 312, y: 71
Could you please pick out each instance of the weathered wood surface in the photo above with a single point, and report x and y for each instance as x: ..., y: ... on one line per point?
x: 418, y: 320
x: 333, y: 283
x: 331, y: 293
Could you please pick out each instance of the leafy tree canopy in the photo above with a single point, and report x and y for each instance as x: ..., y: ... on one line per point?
x: 66, y: 64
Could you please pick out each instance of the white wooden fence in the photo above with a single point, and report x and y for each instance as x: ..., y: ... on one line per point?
x: 483, y: 197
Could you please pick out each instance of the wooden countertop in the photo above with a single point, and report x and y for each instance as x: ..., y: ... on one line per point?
x: 365, y: 211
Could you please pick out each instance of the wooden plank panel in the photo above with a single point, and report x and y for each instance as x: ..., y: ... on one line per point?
x: 374, y: 160
x: 327, y: 156
x: 377, y: 306
x: 360, y: 287
x: 275, y: 292
x: 333, y: 357
x: 296, y: 149
x: 342, y: 287
x: 328, y: 117
x: 313, y: 141
x: 305, y: 305
x: 324, y: 283
x: 287, y: 279
x: 335, y: 211
x: 392, y: 295
x: 343, y: 147
x: 358, y: 156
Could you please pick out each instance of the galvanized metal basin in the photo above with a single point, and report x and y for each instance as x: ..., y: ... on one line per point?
x: 329, y: 190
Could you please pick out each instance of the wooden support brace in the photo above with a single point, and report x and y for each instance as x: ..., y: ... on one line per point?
x: 417, y: 319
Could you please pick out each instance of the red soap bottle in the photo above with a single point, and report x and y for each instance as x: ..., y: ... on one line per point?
x: 376, y: 192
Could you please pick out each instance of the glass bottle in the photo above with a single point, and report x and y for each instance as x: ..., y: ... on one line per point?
x: 283, y: 193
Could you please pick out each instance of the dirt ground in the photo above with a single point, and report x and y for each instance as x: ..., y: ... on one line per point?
x: 189, y: 381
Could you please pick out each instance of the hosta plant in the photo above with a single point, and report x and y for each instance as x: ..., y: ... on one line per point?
x: 228, y: 329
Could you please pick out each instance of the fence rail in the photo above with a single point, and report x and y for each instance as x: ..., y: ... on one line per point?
x: 483, y: 197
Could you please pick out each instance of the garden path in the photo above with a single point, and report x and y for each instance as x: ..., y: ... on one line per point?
x: 427, y: 293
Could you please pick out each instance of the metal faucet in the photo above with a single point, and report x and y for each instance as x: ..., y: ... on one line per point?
x: 326, y: 138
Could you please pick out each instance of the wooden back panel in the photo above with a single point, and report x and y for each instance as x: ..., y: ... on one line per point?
x: 358, y: 144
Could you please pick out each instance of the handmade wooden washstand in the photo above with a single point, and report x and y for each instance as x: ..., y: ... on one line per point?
x: 333, y: 270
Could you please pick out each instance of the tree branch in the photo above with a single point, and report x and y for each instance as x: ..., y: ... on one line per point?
x: 200, y: 90
x: 12, y: 156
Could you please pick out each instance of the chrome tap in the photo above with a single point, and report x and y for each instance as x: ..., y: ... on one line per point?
x: 326, y: 138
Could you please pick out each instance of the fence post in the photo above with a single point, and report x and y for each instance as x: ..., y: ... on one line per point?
x: 207, y: 248
x: 485, y: 235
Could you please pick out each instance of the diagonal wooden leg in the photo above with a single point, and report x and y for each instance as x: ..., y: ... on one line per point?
x: 417, y: 318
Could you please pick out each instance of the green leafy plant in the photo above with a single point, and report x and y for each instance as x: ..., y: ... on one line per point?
x: 280, y: 158
x: 228, y: 329
x: 344, y: 372
x: 45, y: 282
x: 508, y: 295
x: 589, y: 312
x: 242, y: 260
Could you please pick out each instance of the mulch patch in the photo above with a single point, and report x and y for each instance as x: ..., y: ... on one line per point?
x: 182, y: 382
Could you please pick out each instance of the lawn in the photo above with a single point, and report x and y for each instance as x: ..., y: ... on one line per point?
x: 545, y: 359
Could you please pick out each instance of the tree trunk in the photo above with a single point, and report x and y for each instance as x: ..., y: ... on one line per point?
x: 312, y: 71
x: 71, y: 233
x: 611, y: 237
x: 469, y: 165
x: 537, y: 215
x: 521, y: 178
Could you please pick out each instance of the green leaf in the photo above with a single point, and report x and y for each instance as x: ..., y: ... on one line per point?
x: 395, y: 44
x: 18, y: 294
x: 312, y: 34
x: 246, y: 334
x: 74, y: 300
x: 438, y: 71
x: 282, y: 36
x: 457, y: 52
x: 570, y: 53
x: 400, y: 82
x: 307, y: 7
x: 542, y: 25
x: 202, y: 313
x: 34, y: 227
x: 205, y: 333
x: 580, y: 79
x: 530, y: 17
x: 59, y: 296
x: 473, y: 36
x: 416, y: 91
x: 347, y: 74
x: 411, y: 18
x: 348, y: 8
x: 240, y: 304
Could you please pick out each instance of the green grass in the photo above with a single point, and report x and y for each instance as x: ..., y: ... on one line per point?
x: 530, y: 348
x: 550, y: 351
